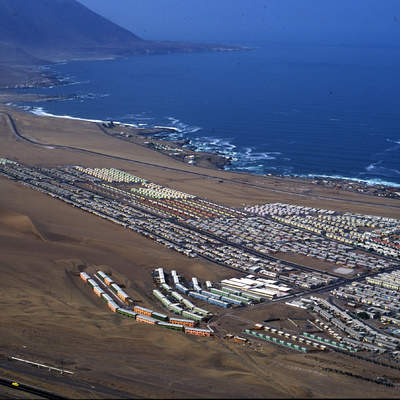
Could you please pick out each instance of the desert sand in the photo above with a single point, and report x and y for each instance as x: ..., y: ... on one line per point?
x: 50, y: 316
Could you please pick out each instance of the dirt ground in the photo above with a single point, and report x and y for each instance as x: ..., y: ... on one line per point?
x: 50, y: 316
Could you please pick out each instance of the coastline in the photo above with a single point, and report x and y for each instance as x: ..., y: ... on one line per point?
x: 150, y: 137
x: 233, y: 153
x: 75, y: 239
x: 196, y: 226
x: 158, y: 138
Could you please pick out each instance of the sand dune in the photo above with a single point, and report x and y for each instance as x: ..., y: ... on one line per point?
x: 18, y: 224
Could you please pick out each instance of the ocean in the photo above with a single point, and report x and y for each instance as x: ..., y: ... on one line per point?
x: 304, y: 110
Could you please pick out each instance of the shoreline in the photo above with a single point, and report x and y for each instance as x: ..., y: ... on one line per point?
x: 190, y: 155
x: 209, y: 155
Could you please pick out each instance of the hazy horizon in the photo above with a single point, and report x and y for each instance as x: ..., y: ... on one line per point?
x: 365, y: 22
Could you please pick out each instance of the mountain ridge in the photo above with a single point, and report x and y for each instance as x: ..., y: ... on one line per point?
x: 47, y: 24
x: 37, y: 32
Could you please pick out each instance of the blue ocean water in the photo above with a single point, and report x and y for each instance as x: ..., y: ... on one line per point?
x: 280, y: 109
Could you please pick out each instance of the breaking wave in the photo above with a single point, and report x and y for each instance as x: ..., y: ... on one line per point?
x: 242, y: 158
x: 182, y: 126
x: 377, y: 169
x: 370, y: 182
x: 40, y: 111
x: 397, y: 141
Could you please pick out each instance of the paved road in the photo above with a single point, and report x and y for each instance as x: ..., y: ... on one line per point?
x: 232, y: 314
x: 30, y: 389
x: 19, y: 135
x: 235, y: 181
x: 323, y: 237
x: 254, y: 252
x: 261, y: 255
x: 210, y: 235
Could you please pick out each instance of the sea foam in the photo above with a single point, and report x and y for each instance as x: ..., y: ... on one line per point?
x: 370, y: 182
x: 40, y: 111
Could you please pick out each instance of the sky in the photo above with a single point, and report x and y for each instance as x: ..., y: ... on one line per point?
x: 349, y: 22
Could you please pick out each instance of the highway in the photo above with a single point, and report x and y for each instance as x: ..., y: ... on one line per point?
x: 235, y: 181
x: 344, y: 281
x: 30, y: 389
x: 251, y: 251
x: 206, y: 233
x: 341, y: 281
x: 301, y: 267
x: 232, y: 313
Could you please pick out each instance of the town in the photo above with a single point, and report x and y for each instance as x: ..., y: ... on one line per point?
x: 351, y: 290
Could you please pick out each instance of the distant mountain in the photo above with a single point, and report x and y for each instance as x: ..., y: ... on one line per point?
x: 19, y: 68
x: 34, y: 32
x: 10, y: 54
x: 64, y: 29
x: 55, y: 28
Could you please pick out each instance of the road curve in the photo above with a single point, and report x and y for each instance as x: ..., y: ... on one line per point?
x: 61, y: 147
